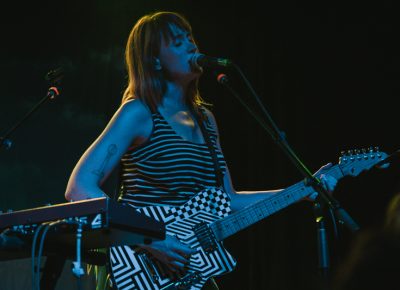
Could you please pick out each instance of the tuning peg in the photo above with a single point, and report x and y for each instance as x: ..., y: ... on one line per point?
x: 350, y: 152
x: 357, y: 154
x: 374, y: 152
x: 364, y: 153
x: 343, y: 156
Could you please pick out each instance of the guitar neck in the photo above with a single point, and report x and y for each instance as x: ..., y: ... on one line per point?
x: 250, y: 215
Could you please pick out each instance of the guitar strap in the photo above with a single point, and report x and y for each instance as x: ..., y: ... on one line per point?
x: 211, y: 148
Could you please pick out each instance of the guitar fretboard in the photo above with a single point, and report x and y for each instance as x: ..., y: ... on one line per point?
x: 264, y: 208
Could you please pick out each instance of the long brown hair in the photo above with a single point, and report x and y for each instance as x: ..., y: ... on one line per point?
x: 143, y: 46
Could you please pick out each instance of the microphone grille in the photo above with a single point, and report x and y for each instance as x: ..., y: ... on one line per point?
x: 194, y: 61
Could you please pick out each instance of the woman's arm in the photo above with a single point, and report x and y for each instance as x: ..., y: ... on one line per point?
x: 241, y: 199
x: 130, y: 124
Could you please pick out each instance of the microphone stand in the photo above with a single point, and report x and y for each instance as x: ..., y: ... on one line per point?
x: 324, y: 198
x: 54, y: 77
x: 322, y: 244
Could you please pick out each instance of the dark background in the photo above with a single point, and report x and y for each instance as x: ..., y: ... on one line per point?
x: 327, y: 71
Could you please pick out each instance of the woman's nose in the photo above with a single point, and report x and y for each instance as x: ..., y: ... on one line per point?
x: 192, y: 48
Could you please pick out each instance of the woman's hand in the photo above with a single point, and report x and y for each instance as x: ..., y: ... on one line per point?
x: 328, y: 182
x: 171, y: 252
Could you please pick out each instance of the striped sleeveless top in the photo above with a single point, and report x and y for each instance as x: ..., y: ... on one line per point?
x: 166, y: 169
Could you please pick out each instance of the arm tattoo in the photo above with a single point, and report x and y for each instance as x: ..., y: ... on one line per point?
x: 112, y: 150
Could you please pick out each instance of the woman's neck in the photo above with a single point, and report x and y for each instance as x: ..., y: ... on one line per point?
x: 175, y: 97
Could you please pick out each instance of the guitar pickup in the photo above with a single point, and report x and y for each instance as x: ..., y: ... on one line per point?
x: 205, y: 237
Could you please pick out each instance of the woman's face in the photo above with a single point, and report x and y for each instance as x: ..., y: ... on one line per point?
x: 175, y: 55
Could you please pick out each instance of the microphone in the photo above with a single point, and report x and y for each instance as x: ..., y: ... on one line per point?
x: 199, y: 61
x: 222, y: 79
x: 53, y: 92
x: 54, y: 76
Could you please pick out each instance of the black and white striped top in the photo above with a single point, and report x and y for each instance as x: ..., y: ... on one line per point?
x: 166, y: 169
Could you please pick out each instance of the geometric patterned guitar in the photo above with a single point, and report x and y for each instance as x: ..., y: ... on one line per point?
x: 203, y: 223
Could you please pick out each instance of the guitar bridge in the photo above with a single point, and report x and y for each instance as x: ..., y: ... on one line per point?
x: 149, y: 267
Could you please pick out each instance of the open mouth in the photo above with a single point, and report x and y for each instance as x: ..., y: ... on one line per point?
x: 194, y: 65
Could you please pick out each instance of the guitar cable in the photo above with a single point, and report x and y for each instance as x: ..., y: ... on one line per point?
x: 335, y: 228
x: 36, y: 260
x: 40, y: 252
x: 33, y: 256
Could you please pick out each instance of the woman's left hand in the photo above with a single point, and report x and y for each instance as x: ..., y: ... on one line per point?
x: 327, y: 181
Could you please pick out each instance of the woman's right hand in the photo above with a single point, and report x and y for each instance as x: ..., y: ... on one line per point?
x: 171, y: 252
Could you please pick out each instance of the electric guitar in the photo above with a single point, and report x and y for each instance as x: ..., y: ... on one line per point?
x: 203, y: 223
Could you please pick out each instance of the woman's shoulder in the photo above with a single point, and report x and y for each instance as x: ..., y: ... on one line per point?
x: 134, y: 110
x: 209, y: 115
x: 133, y: 116
x: 135, y: 106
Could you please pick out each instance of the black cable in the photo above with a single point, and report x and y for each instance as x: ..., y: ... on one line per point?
x: 46, y: 229
x: 33, y: 258
x: 47, y: 226
x: 333, y: 219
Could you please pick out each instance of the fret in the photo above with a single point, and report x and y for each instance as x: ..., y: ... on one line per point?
x: 254, y: 215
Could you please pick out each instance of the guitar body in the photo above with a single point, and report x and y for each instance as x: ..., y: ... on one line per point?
x: 198, y: 221
x: 135, y: 268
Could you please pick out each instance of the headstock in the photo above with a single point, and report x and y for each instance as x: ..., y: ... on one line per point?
x: 353, y: 162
